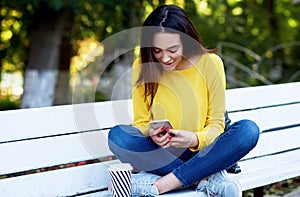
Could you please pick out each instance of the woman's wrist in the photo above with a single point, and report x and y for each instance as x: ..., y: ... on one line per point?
x: 195, y: 142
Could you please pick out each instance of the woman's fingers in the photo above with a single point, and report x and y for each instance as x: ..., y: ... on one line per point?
x: 182, y: 139
x: 157, y: 131
x: 172, y: 132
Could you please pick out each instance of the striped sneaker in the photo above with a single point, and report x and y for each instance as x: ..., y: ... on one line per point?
x: 220, y: 185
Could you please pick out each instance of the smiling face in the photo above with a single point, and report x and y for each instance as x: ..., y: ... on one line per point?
x: 167, y: 49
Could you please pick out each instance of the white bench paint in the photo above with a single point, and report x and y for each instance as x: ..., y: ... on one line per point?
x: 45, y: 137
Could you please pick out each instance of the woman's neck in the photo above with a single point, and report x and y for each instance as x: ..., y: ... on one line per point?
x: 188, y: 63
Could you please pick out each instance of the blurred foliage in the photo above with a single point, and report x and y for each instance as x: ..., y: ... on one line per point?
x: 288, y: 187
x: 100, y: 97
x: 268, y: 28
x: 94, y: 18
x: 8, y: 103
x: 266, y: 33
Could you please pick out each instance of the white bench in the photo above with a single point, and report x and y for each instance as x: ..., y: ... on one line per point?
x: 46, y: 139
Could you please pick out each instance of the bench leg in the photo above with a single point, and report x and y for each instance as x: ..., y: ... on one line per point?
x: 259, y: 191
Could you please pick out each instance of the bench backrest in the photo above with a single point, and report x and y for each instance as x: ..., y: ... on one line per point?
x: 46, y: 140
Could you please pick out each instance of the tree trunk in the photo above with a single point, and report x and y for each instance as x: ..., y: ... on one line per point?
x: 63, y: 89
x: 117, y: 76
x: 42, y: 69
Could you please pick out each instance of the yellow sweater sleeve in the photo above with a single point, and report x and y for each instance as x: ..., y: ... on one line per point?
x: 213, y: 72
x: 140, y: 106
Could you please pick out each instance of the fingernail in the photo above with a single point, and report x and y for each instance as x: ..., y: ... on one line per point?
x: 162, y: 128
x: 167, y: 129
x: 170, y: 137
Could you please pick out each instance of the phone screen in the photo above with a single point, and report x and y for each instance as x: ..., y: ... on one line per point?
x: 160, y: 123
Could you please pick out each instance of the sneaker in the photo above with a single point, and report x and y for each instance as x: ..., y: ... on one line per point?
x: 220, y: 185
x: 142, y: 184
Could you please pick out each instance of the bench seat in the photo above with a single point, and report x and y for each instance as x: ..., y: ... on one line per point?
x: 62, y: 150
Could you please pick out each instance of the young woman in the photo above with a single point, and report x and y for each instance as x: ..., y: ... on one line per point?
x: 176, y: 78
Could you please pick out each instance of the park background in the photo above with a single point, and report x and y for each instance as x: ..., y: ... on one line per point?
x: 52, y: 51
x: 45, y: 45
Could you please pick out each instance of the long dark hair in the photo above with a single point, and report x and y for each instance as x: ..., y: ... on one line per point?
x: 170, y: 19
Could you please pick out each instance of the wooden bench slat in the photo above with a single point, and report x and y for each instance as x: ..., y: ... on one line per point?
x: 48, y: 152
x: 275, y: 142
x: 269, y: 118
x: 259, y: 96
x: 63, y: 182
x: 59, y: 120
x: 269, y: 169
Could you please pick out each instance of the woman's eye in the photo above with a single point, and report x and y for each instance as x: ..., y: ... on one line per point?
x: 173, y: 49
x: 156, y: 50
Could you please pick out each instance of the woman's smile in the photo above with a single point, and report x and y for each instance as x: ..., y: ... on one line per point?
x: 168, y: 50
x: 168, y: 66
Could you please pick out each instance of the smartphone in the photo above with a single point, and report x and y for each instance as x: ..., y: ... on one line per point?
x: 155, y: 124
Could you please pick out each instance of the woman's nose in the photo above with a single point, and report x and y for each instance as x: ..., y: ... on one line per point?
x: 165, y: 57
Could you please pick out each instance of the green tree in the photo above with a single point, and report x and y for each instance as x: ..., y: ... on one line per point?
x: 258, y: 40
x: 50, y: 28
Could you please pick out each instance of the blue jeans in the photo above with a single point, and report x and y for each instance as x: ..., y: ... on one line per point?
x: 131, y: 146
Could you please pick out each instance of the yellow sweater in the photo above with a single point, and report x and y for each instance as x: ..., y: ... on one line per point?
x: 192, y: 99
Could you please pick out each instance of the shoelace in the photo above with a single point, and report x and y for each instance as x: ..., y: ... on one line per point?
x: 203, y: 187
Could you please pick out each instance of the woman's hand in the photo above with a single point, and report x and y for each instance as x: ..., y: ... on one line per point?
x: 182, y: 139
x: 160, y: 137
